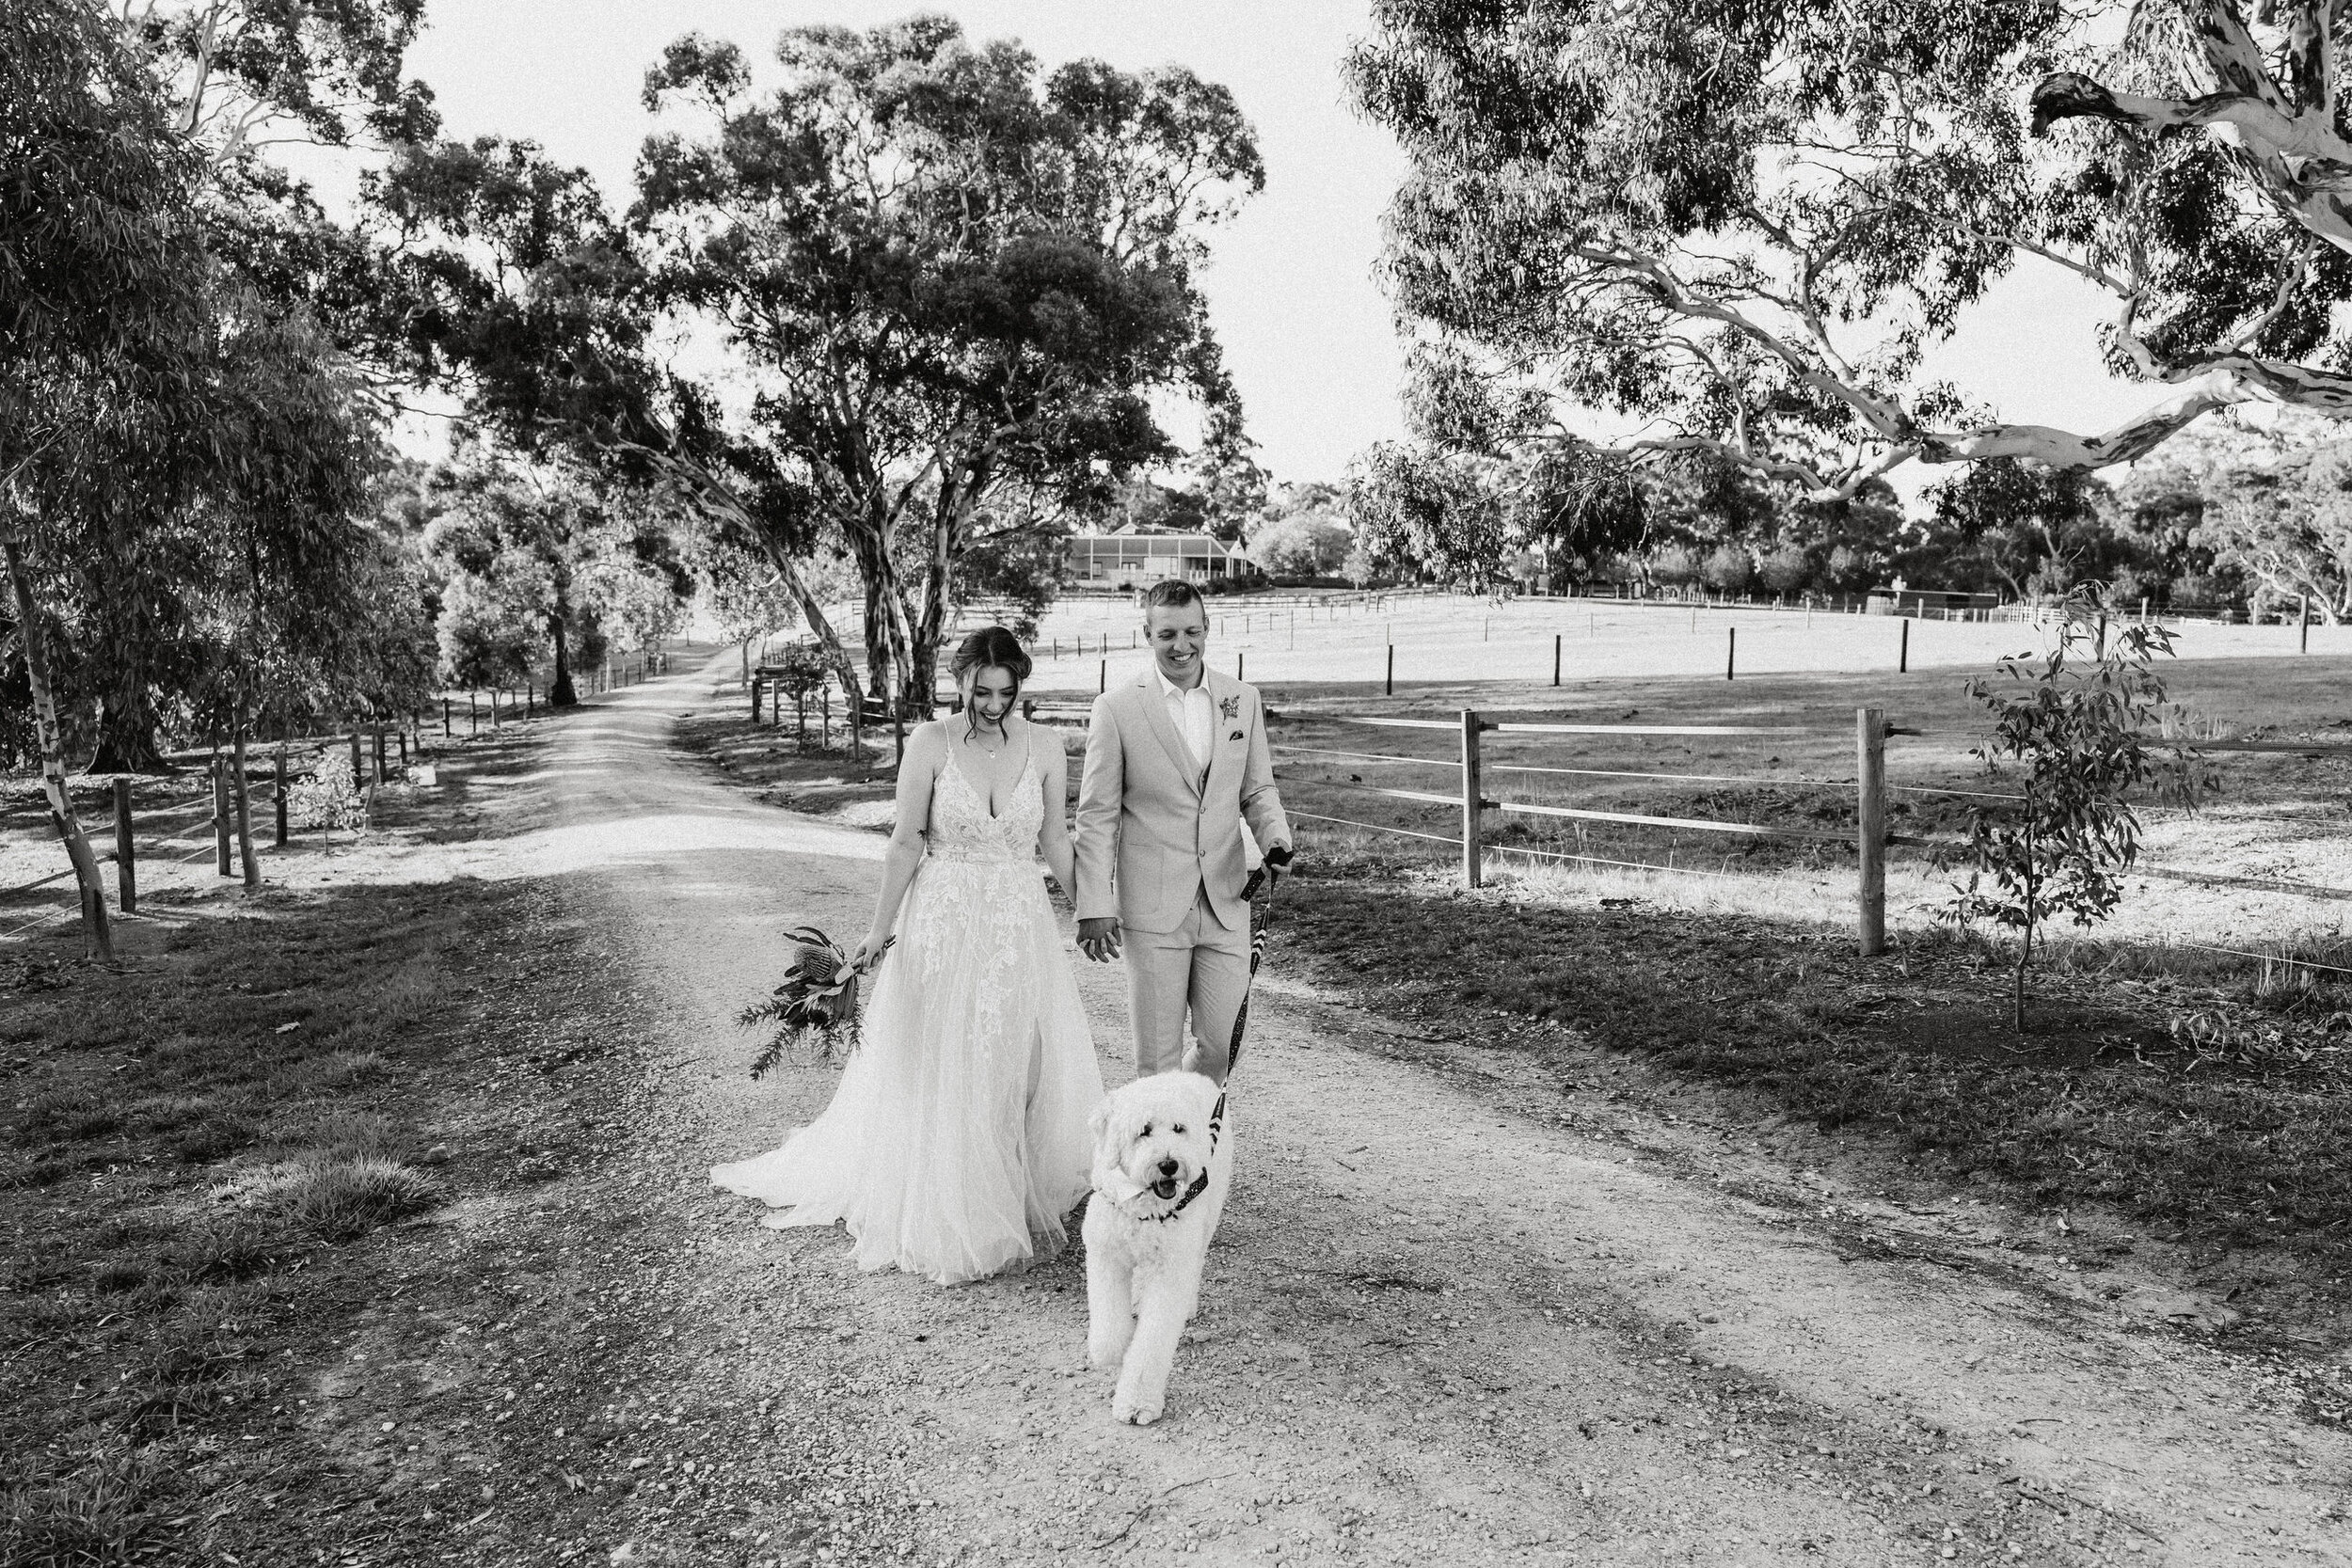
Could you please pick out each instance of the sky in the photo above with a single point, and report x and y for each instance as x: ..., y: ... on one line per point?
x: 1306, y: 333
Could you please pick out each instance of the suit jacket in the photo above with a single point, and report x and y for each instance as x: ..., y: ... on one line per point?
x: 1150, y: 834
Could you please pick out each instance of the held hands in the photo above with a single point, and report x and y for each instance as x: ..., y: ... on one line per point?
x: 1099, y: 938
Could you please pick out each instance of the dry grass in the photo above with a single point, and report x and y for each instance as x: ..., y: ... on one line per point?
x: 2207, y: 1093
x: 189, y: 1180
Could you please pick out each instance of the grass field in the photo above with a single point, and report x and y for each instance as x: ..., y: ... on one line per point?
x: 1451, y: 639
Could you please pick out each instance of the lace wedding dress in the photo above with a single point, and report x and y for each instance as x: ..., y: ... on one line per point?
x: 957, y: 1139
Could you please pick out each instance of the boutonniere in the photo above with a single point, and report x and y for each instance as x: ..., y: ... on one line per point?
x: 1230, y: 707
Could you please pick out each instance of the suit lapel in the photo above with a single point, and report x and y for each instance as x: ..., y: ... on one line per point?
x: 1155, y: 708
x: 1221, y: 688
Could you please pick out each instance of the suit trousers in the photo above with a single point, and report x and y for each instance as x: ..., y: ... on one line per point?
x: 1203, y: 965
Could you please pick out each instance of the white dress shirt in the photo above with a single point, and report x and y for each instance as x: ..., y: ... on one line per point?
x: 1193, y: 717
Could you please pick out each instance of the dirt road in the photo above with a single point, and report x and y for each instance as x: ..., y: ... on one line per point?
x: 1452, y: 1318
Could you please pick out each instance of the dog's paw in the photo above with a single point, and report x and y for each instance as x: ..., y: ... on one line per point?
x: 1134, y: 1412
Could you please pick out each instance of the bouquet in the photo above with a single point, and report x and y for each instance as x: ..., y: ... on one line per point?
x: 815, y: 1009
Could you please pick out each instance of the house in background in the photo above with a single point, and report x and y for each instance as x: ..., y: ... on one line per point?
x: 1137, y: 555
x: 1918, y: 602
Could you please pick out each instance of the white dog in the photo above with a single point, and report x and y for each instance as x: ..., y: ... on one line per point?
x: 1163, y: 1160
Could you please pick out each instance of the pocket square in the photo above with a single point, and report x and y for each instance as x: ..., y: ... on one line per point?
x: 1237, y: 735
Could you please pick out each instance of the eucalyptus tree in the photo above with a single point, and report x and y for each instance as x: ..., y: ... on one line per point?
x: 1739, y: 225
x: 102, y: 318
x: 1459, y: 517
x: 230, y: 81
x: 240, y: 76
x: 538, y: 566
x: 957, y: 283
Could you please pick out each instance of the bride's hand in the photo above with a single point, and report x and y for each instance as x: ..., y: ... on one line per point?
x: 867, y: 955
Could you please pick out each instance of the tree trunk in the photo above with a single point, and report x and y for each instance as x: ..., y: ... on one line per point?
x: 560, y: 690
x: 53, y: 750
x: 812, y: 611
x: 251, y: 867
x: 878, y: 661
x: 126, y: 731
x: 2024, y: 950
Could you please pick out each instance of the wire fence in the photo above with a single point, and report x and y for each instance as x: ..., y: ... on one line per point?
x: 142, y: 839
x: 1867, y: 837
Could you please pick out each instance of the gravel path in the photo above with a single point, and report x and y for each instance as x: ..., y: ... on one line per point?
x: 1451, y: 1317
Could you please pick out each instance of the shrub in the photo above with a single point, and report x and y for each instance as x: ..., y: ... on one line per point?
x: 328, y: 796
x: 1788, y: 569
x: 1728, y: 569
x: 1674, y: 565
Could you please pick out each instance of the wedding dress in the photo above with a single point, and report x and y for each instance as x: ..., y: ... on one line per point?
x: 957, y: 1139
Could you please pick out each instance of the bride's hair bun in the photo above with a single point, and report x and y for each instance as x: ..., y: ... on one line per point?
x: 992, y: 645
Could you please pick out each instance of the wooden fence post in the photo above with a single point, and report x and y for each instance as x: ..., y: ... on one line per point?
x: 280, y: 793
x: 1103, y: 678
x: 1388, y: 681
x: 473, y: 715
x: 1731, y: 652
x: 220, y: 814
x: 359, y: 765
x: 1870, y: 826
x: 1239, y: 660
x: 445, y: 729
x: 1555, y: 658
x: 126, y: 874
x: 1473, y: 785
x: 1902, y: 650
x: 251, y: 868
x: 379, y: 754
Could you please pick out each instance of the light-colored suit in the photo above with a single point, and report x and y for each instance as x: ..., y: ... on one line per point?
x: 1161, y: 848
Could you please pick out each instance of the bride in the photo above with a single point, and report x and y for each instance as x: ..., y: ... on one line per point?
x: 957, y: 1139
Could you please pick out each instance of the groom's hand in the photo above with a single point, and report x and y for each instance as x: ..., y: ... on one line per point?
x: 1099, y: 938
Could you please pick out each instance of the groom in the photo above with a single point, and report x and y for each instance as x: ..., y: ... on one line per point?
x: 1175, y: 763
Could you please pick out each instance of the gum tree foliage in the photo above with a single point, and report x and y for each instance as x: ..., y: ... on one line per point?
x: 958, y: 282
x: 539, y: 570
x: 2031, y: 529
x: 2067, y: 740
x: 1024, y: 566
x: 244, y: 74
x: 235, y: 80
x: 1303, y: 533
x: 1427, y: 513
x: 2285, y: 527
x: 101, y: 324
x: 1736, y: 226
x: 741, y: 590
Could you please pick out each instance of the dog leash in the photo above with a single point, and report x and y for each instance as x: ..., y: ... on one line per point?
x: 1258, y: 893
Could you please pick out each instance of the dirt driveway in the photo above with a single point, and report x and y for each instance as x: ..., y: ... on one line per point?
x: 1452, y: 1318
